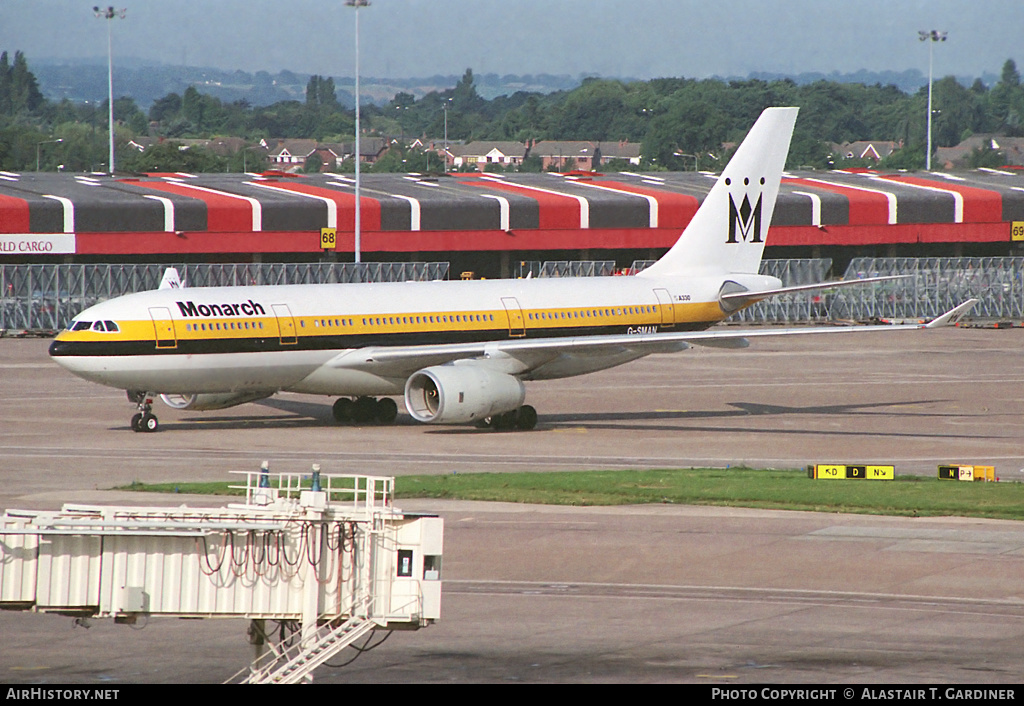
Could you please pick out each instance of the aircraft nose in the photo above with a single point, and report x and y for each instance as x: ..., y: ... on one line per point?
x: 58, y: 348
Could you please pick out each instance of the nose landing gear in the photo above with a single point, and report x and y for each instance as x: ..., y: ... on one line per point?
x: 144, y: 419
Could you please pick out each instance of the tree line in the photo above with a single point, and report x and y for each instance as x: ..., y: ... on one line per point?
x: 681, y: 123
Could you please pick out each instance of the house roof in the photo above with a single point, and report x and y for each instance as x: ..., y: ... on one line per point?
x: 1011, y: 147
x: 368, y: 146
x: 866, y: 149
x: 299, y: 148
x: 619, y: 150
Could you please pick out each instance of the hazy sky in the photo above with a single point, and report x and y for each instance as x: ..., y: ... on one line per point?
x: 634, y: 38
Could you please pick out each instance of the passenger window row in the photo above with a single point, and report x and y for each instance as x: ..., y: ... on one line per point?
x: 436, y: 319
x: 225, y: 326
x: 592, y: 313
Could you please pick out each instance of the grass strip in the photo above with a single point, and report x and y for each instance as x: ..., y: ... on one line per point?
x: 734, y: 487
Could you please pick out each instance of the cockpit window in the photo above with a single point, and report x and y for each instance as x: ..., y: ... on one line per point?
x: 102, y: 326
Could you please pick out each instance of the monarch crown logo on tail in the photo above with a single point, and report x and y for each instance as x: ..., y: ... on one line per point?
x: 745, y: 220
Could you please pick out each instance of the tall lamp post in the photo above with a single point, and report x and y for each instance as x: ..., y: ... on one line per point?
x: 445, y: 106
x: 359, y: 155
x: 45, y: 142
x: 934, y: 36
x: 109, y: 14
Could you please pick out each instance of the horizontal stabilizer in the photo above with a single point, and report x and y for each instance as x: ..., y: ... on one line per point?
x: 745, y: 295
x: 953, y: 316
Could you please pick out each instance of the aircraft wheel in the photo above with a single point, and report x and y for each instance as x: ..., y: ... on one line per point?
x: 137, y: 422
x: 342, y: 410
x: 387, y: 410
x: 504, y: 422
x: 364, y: 410
x: 526, y: 418
x: 149, y: 423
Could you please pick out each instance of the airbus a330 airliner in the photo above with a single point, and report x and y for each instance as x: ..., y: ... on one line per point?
x: 458, y: 351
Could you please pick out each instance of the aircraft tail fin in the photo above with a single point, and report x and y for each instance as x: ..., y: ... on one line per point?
x: 726, y: 235
x: 171, y: 279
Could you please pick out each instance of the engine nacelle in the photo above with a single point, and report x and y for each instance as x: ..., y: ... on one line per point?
x: 208, y: 401
x: 461, y: 393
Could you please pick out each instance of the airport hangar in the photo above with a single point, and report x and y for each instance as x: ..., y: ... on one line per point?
x: 489, y: 223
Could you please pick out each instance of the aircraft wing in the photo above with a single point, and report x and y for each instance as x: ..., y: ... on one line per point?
x: 523, y: 354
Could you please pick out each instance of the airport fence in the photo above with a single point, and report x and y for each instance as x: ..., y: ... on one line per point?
x: 796, y: 307
x: 566, y: 268
x: 931, y: 286
x: 46, y: 297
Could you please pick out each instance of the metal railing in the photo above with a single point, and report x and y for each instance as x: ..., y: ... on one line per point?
x: 566, y: 268
x: 368, y: 494
x: 934, y: 285
x: 47, y: 297
x: 789, y: 308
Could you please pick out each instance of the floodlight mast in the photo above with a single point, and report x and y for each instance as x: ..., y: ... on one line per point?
x: 358, y: 225
x: 935, y: 36
x: 109, y: 14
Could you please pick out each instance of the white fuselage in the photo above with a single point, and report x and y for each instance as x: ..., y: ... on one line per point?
x: 303, y: 337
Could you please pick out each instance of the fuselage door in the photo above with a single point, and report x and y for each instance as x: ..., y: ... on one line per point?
x: 163, y: 327
x: 285, y: 323
x: 667, y: 308
x: 516, y: 325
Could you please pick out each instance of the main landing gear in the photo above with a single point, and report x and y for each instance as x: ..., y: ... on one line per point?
x: 364, y: 410
x: 522, y: 419
x: 144, y: 419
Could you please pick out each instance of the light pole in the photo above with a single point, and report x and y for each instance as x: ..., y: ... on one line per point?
x: 109, y: 14
x: 445, y: 106
x: 358, y: 228
x: 934, y: 36
x: 40, y: 144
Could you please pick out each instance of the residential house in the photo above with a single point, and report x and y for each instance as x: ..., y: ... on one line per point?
x: 874, y: 150
x: 331, y: 154
x: 627, y: 151
x: 370, y: 149
x: 480, y: 154
x: 583, y: 154
x: 1011, y: 148
x: 559, y: 155
x: 290, y: 153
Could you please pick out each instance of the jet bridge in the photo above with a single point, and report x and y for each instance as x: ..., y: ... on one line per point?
x: 327, y: 556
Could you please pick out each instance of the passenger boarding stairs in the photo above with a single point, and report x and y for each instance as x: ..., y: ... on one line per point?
x: 297, y: 662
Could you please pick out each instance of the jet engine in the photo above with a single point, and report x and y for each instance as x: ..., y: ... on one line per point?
x: 207, y: 401
x: 461, y: 393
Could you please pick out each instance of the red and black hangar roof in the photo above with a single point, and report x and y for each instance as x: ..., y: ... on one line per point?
x: 168, y: 214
